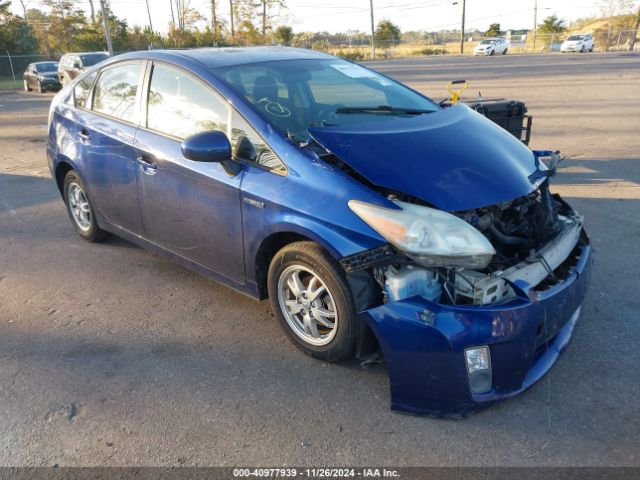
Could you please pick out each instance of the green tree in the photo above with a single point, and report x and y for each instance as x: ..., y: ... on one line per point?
x: 387, y: 33
x: 552, y: 24
x: 283, y: 35
x: 16, y: 35
x: 494, y: 30
x: 66, y: 26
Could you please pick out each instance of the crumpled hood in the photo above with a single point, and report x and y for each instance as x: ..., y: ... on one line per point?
x: 454, y: 159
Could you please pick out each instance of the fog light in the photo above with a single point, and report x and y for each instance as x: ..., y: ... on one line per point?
x: 478, y: 369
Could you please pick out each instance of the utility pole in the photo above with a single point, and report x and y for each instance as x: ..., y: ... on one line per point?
x: 107, y: 31
x: 535, y: 23
x: 149, y: 14
x: 464, y: 7
x: 373, y: 33
x: 233, y: 32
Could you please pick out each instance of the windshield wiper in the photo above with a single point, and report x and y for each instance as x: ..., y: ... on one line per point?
x: 383, y: 109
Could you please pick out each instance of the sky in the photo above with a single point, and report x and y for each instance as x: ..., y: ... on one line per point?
x: 343, y: 15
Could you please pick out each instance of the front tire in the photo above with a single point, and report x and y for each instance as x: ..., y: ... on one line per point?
x: 27, y: 88
x: 311, y: 297
x: 80, y: 210
x: 493, y: 52
x: 40, y: 87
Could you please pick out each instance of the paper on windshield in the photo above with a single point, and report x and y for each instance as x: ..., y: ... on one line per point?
x: 356, y: 71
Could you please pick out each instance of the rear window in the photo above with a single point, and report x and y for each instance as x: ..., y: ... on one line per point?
x: 91, y: 59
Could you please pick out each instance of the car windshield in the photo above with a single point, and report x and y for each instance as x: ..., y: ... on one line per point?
x: 295, y: 95
x: 574, y: 38
x: 46, y: 67
x: 487, y: 42
x: 92, y: 58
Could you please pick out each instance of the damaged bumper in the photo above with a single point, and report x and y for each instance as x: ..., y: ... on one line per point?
x: 424, y: 342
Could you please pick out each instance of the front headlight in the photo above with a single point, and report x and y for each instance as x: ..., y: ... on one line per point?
x: 430, y: 237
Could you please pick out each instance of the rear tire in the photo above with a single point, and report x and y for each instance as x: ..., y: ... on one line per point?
x: 505, y: 51
x: 311, y: 297
x: 80, y: 209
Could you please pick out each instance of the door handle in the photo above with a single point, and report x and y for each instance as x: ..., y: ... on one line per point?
x: 84, y: 135
x: 147, y: 165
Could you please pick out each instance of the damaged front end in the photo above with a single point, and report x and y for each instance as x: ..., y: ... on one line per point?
x: 456, y: 338
x: 481, y: 282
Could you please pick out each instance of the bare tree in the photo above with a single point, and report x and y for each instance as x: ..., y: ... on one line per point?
x: 214, y: 19
x: 93, y: 12
x: 233, y: 32
x: 24, y: 8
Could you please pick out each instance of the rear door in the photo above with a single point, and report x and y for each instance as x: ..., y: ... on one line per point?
x: 106, y: 134
x: 191, y: 208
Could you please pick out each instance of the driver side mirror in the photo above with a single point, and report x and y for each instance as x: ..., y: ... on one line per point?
x: 210, y: 146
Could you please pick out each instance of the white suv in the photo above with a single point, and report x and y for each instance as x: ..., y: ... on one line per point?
x: 579, y: 42
x: 491, y: 46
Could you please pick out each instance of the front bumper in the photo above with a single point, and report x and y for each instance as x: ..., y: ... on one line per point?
x: 423, y: 342
x: 482, y: 52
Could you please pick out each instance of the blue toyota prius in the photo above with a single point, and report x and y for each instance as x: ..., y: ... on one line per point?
x: 376, y: 221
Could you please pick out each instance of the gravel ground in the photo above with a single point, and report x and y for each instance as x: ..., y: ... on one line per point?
x: 112, y: 355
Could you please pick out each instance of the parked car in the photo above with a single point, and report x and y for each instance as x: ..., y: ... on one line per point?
x: 491, y: 46
x: 73, y: 64
x: 42, y: 76
x: 581, y: 42
x: 370, y: 216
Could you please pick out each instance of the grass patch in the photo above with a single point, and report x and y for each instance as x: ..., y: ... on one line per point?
x: 10, y: 84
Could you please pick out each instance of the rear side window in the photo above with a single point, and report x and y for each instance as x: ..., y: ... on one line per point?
x: 82, y: 90
x: 115, y: 92
x: 180, y: 106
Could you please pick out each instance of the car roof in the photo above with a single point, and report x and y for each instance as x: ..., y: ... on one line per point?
x: 42, y: 63
x: 229, y: 56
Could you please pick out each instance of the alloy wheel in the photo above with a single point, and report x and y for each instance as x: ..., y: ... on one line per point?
x: 79, y: 207
x: 307, y: 305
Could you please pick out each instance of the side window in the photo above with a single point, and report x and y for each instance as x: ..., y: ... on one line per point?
x: 115, y: 92
x: 247, y: 145
x: 82, y: 90
x: 180, y: 106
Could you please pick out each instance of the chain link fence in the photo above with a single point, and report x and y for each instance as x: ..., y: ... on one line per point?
x: 358, y: 48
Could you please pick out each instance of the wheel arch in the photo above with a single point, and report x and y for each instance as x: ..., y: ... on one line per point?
x: 62, y: 168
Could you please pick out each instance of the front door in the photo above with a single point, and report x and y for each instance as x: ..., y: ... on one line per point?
x: 191, y: 208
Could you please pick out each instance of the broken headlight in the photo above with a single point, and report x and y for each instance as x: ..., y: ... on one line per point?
x: 430, y: 237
